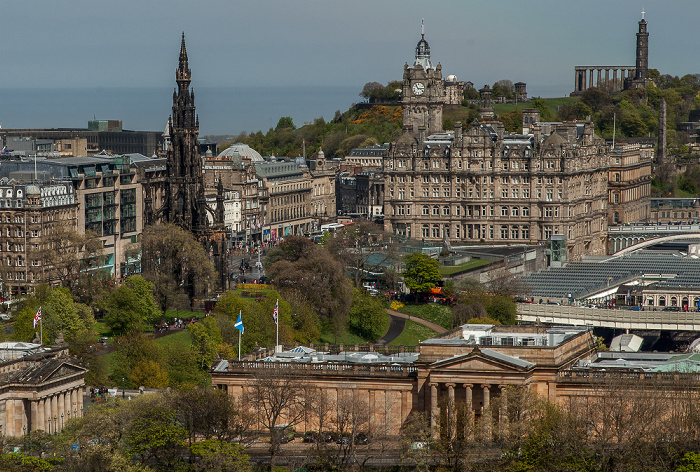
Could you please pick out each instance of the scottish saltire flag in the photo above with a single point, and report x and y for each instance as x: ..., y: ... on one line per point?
x: 37, y: 317
x: 239, y: 324
x: 276, y: 312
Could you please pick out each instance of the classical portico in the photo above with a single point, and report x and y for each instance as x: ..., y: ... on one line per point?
x: 466, y: 384
x: 40, y: 391
x: 459, y: 378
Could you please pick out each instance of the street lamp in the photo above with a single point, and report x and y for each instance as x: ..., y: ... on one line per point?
x: 49, y: 425
x: 55, y: 425
x: 123, y: 391
x: 61, y: 421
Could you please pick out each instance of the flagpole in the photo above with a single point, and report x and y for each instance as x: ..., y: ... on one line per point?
x: 41, y: 331
x: 239, y: 344
x: 277, y: 324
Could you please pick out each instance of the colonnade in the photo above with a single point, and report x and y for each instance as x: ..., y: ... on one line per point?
x: 50, y: 413
x: 470, y: 408
x: 585, y: 78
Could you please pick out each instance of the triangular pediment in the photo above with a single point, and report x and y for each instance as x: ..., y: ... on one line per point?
x: 64, y: 370
x: 483, y: 360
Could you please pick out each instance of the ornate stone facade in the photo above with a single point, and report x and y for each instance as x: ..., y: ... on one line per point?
x: 28, y: 212
x: 486, y: 186
x: 471, y: 365
x: 422, y: 92
x: 629, y: 184
x: 40, y: 390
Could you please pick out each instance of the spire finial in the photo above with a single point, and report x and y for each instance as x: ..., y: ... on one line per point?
x: 643, y: 12
x: 422, y: 32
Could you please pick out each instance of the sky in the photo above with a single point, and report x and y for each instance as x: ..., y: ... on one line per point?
x: 280, y: 43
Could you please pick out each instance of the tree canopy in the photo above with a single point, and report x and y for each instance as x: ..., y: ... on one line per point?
x: 421, y: 272
x: 177, y: 265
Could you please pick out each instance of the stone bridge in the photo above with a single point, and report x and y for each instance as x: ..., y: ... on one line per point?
x: 622, y: 319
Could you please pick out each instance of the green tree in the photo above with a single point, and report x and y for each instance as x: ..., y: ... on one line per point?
x: 206, y: 338
x: 154, y: 435
x: 60, y: 314
x: 131, y: 307
x: 691, y: 463
x: 421, y: 272
x: 285, y: 122
x: 133, y: 348
x: 367, y: 316
x: 308, y: 270
x: 218, y: 456
x: 150, y: 374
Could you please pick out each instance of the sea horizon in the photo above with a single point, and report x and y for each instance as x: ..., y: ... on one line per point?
x: 221, y: 110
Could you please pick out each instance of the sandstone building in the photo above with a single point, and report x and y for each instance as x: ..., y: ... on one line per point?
x: 479, y: 184
x: 470, y: 366
x: 40, y: 389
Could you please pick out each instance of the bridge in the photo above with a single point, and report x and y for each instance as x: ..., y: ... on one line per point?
x: 622, y: 319
x: 623, y: 237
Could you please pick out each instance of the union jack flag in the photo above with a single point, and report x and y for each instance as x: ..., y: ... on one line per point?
x: 37, y: 317
x: 276, y: 312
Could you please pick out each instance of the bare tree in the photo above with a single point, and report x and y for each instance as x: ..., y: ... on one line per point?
x: 64, y: 252
x: 278, y: 396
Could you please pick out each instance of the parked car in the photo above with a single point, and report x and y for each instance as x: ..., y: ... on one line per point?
x: 361, y: 439
x: 5, y: 317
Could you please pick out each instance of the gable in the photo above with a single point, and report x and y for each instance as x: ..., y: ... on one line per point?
x: 477, y: 364
x: 63, y: 371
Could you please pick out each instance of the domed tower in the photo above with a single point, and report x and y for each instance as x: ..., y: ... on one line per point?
x: 422, y: 92
x: 185, y: 200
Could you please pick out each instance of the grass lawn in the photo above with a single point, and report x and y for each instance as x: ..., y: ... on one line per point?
x: 346, y: 338
x: 500, y: 108
x: 412, y: 334
x: 170, y: 314
x: 446, y: 271
x: 102, y: 329
x: 439, y: 314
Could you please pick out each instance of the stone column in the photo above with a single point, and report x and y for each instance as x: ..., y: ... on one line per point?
x: 47, y: 413
x: 451, y: 410
x: 599, y: 77
x: 486, y: 416
x: 20, y: 416
x: 41, y: 418
x: 590, y: 81
x: 60, y: 410
x: 67, y: 407
x: 9, y: 418
x: 434, y: 408
x: 503, y: 411
x: 34, y: 416
x: 487, y: 395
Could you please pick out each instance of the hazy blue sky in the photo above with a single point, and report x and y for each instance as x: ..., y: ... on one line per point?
x: 76, y: 43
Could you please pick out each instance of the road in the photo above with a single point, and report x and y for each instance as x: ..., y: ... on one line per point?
x: 435, y: 327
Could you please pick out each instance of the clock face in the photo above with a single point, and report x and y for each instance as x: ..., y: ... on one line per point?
x: 418, y: 88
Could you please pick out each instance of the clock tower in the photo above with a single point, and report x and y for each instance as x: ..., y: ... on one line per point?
x: 422, y: 92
